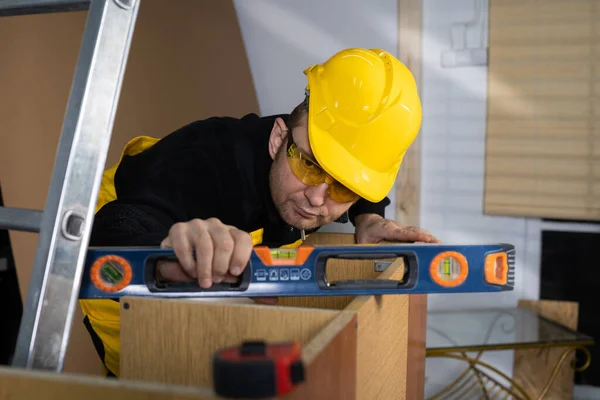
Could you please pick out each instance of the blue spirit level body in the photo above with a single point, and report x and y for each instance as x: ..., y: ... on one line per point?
x: 274, y: 272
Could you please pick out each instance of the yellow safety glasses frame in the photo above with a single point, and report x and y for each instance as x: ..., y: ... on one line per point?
x: 309, y: 172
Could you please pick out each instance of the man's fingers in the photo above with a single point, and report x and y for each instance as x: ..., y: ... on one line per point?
x: 424, y: 235
x: 166, y: 243
x: 413, y: 234
x: 204, y: 254
x: 228, y: 278
x: 182, y: 246
x: 241, y: 252
x: 224, y: 246
x: 266, y: 300
x: 172, y: 271
x: 208, y: 251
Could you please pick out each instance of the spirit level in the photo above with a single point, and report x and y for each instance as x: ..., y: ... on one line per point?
x: 273, y: 272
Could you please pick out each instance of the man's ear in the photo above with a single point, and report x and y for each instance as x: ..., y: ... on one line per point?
x: 278, y: 135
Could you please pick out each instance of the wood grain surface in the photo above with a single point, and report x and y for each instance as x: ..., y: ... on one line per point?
x: 19, y: 384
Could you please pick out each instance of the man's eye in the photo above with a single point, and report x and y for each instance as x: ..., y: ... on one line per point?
x: 307, y: 163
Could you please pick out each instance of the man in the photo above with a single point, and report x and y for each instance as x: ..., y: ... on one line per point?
x: 223, y: 185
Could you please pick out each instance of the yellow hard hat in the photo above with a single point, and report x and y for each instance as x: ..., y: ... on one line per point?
x: 363, y: 114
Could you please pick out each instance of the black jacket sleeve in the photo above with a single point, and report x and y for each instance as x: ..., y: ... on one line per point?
x: 117, y: 224
x: 363, y: 206
x: 154, y: 192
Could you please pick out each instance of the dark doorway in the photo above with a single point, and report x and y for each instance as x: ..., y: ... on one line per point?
x: 10, y: 297
x: 571, y: 272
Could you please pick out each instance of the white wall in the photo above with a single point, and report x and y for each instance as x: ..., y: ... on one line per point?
x: 283, y: 37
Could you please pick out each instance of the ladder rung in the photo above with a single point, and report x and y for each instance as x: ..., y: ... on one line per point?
x: 20, y: 219
x: 24, y: 7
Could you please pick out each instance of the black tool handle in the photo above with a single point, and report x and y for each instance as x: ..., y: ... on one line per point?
x: 155, y: 286
x: 410, y: 276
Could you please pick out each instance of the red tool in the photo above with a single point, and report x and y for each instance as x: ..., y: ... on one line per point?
x: 258, y: 370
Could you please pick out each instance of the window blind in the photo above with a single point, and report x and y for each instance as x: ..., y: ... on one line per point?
x: 543, y: 127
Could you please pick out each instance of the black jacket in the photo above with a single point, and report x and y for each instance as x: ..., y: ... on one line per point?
x: 217, y: 167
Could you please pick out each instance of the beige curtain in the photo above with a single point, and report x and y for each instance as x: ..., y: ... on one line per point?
x: 543, y: 129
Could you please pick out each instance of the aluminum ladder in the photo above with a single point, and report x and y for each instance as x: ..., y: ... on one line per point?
x: 64, y: 225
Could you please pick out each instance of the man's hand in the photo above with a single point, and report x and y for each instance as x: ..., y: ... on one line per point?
x: 222, y: 253
x: 373, y: 228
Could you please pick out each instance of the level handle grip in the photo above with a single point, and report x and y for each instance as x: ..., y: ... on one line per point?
x: 409, y: 279
x: 156, y: 286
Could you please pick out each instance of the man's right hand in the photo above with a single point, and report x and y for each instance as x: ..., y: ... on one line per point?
x: 222, y: 252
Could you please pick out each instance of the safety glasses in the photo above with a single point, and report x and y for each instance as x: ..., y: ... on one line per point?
x: 310, y: 173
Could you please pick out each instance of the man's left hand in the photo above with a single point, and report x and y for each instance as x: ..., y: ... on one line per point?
x: 373, y: 228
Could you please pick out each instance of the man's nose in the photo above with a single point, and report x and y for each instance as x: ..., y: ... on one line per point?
x: 316, y: 195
